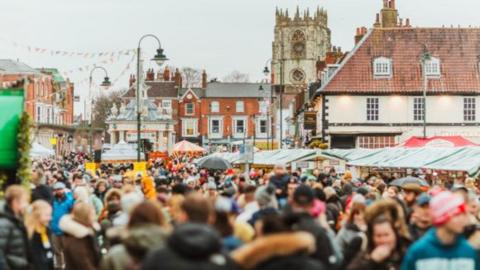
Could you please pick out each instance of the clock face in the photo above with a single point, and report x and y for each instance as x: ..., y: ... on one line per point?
x: 298, y: 75
x: 189, y: 96
x: 299, y: 47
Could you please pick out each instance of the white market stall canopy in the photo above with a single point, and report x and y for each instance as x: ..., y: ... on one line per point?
x: 465, y: 159
x: 40, y: 151
x: 269, y: 158
x: 121, y: 152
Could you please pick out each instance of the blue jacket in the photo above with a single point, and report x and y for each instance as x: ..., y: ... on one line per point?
x: 429, y: 253
x: 61, y: 208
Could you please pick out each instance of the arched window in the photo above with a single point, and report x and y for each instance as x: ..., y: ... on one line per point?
x: 432, y: 67
x: 298, y: 44
x: 382, y: 67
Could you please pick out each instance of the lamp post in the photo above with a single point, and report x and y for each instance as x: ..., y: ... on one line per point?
x: 159, y: 58
x: 266, y: 72
x: 105, y: 84
x: 425, y: 58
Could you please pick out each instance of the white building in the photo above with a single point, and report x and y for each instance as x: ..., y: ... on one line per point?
x: 375, y: 97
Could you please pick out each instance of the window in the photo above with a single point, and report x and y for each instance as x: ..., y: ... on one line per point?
x: 189, y: 108
x: 418, y: 109
x: 39, y: 114
x: 214, y: 107
x: 189, y: 127
x: 382, y: 67
x: 239, y: 127
x: 166, y: 104
x: 432, y: 67
x: 376, y: 141
x: 239, y: 106
x: 372, y: 109
x: 469, y: 109
x: 262, y: 127
x: 215, y: 127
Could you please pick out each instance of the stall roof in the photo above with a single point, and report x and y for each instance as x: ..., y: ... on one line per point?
x: 121, y: 151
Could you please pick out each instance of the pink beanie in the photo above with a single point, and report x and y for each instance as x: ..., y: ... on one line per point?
x: 445, y: 205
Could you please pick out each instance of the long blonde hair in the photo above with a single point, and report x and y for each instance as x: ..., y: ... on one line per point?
x: 32, y: 218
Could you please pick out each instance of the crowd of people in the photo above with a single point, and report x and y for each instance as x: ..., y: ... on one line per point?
x: 178, y: 216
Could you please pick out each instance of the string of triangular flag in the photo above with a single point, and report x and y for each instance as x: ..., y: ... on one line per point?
x: 90, y: 66
x: 66, y: 53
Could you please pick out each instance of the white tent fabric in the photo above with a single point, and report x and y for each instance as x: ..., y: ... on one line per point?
x: 269, y: 158
x: 465, y: 159
x: 40, y: 151
x: 121, y: 151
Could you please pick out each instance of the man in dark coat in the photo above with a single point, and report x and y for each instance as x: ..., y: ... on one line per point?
x: 280, y: 180
x: 14, y: 251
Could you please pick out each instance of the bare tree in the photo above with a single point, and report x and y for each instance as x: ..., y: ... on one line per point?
x: 102, y: 106
x: 236, y: 76
x: 191, y: 77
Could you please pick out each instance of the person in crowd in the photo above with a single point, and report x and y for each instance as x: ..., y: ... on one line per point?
x: 280, y: 180
x: 224, y: 223
x: 276, y: 247
x: 420, y: 220
x: 101, y: 189
x: 250, y: 205
x: 387, y: 238
x: 41, y: 190
x: 14, y: 251
x: 82, y: 194
x: 195, y: 208
x: 444, y: 246
x: 352, y: 234
x: 391, y: 192
x: 184, y: 252
x: 410, y: 193
x: 300, y: 219
x: 146, y: 230
x: 40, y: 240
x: 267, y: 203
x: 81, y: 248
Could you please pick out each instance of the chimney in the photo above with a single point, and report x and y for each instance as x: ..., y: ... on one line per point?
x: 150, y: 75
x: 389, y: 14
x: 178, y: 78
x: 377, y: 21
x: 166, y: 74
x: 407, y: 22
x: 131, y: 81
x: 361, y: 31
x: 204, y: 79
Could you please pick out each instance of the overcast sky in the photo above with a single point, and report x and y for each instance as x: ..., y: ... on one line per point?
x: 217, y: 35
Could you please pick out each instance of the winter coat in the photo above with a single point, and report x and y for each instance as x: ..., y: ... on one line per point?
x: 190, y: 246
x: 14, y: 252
x: 324, y: 252
x: 430, y: 253
x: 61, y: 207
x: 42, y: 192
x: 415, y: 232
x: 346, y: 235
x: 42, y: 256
x: 334, y: 208
x: 280, y: 182
x: 81, y: 250
x: 363, y: 261
x: 279, y: 251
x: 136, y: 243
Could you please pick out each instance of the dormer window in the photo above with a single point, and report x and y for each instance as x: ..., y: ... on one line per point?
x: 382, y: 67
x: 432, y: 67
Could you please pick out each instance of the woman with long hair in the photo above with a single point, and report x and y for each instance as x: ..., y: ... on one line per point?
x: 40, y: 243
x: 387, y: 237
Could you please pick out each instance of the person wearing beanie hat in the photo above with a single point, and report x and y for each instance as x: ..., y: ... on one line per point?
x: 267, y: 203
x: 444, y: 246
x: 420, y: 221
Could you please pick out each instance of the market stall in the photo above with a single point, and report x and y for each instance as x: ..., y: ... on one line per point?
x: 120, y: 153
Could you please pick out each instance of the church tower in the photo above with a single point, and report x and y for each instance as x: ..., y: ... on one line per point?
x: 299, y: 42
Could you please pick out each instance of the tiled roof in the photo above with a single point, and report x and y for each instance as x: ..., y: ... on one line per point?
x: 200, y: 92
x: 457, y: 48
x: 9, y: 66
x: 232, y: 90
x: 157, y: 89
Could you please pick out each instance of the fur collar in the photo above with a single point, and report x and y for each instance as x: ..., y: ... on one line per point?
x: 70, y: 226
x: 268, y: 247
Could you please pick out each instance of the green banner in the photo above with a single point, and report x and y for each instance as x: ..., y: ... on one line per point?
x: 11, y: 108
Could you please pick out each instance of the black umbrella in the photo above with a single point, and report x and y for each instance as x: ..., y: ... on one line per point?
x: 409, y: 180
x: 214, y: 163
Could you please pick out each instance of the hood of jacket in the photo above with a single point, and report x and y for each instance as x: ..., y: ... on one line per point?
x: 195, y: 241
x: 271, y: 246
x: 72, y: 227
x: 140, y: 239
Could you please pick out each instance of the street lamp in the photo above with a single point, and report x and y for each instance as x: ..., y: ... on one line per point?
x: 266, y: 72
x: 425, y: 58
x: 159, y: 58
x: 105, y: 84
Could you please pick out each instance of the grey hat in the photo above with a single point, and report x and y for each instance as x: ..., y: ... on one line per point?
x: 59, y: 185
x: 211, y: 186
x: 264, y: 195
